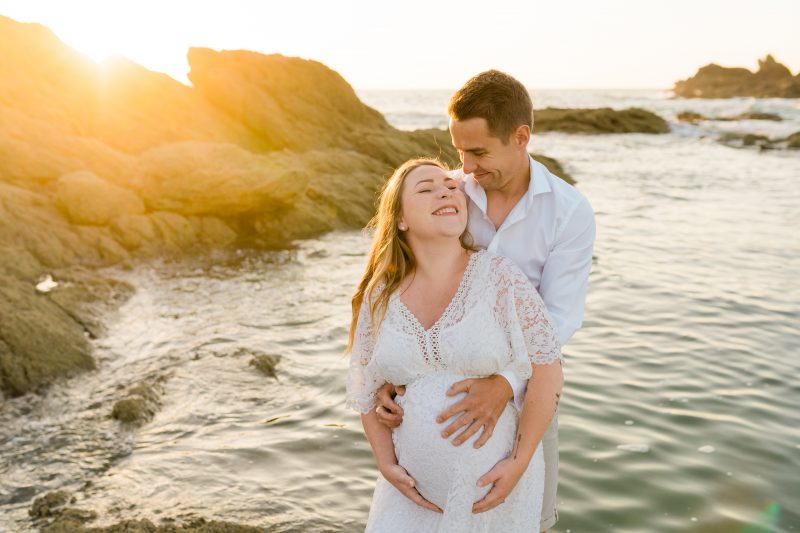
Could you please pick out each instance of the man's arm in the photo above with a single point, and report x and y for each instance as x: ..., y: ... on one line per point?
x: 565, y: 276
x: 564, y: 282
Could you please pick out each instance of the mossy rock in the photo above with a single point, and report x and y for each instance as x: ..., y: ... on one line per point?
x: 599, y: 120
x: 140, y: 405
x: 265, y: 364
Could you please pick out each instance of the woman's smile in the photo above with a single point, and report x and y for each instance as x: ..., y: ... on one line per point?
x: 446, y: 211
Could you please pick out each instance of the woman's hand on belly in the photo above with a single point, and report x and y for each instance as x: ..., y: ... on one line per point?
x: 505, y: 475
x: 402, y: 481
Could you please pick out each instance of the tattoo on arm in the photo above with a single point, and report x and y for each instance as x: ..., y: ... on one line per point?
x: 516, y: 445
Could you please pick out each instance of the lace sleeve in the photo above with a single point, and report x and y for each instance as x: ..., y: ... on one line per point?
x: 522, y: 313
x: 362, y: 379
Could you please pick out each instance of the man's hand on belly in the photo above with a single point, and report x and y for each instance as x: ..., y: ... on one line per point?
x: 481, y: 408
x: 389, y: 413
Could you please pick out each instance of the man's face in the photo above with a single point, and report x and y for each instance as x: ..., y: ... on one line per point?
x: 492, y: 163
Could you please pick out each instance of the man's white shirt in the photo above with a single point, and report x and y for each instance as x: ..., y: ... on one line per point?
x: 549, y: 234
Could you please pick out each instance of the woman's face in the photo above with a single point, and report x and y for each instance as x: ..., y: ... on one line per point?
x: 433, y: 205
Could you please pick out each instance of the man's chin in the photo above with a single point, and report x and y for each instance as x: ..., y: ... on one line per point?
x: 487, y: 181
x: 486, y: 177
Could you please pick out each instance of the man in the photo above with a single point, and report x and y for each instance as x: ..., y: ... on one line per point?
x: 519, y: 209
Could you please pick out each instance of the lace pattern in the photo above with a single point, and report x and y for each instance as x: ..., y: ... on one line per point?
x: 362, y: 380
x: 534, y: 339
x: 429, y: 339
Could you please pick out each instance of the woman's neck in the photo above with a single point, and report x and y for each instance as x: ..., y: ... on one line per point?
x: 438, y: 260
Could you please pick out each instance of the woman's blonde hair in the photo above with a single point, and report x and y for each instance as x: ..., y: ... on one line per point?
x: 390, y: 256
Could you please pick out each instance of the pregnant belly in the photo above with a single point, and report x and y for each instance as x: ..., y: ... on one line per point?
x: 439, y: 468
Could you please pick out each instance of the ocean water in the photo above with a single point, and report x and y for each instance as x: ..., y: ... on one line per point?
x: 681, y: 408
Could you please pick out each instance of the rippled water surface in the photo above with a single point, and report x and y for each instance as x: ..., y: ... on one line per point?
x: 681, y: 409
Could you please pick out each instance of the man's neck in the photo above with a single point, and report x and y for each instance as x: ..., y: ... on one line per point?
x: 515, y: 188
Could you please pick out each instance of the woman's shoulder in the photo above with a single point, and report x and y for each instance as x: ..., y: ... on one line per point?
x: 500, y: 269
x: 496, y: 261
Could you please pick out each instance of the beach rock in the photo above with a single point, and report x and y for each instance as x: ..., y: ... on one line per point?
x: 195, y: 178
x: 265, y: 364
x: 39, y: 341
x: 690, y: 116
x: 89, y: 299
x: 119, y: 103
x: 48, y: 504
x: 771, y: 80
x: 288, y: 102
x: 739, y: 140
x: 754, y: 116
x: 762, y: 142
x: 69, y: 520
x: 600, y: 120
x: 140, y: 405
x: 35, y: 151
x: 87, y: 199
x: 72, y: 520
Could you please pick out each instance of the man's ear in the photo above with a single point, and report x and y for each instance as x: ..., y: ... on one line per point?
x: 522, y: 135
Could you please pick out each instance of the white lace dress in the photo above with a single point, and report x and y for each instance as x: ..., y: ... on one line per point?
x: 495, y: 321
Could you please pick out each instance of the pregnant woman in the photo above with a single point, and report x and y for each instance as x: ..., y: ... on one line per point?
x: 432, y: 310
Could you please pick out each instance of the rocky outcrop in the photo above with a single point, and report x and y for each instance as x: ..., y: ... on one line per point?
x: 100, y: 166
x: 762, y: 142
x: 771, y: 80
x: 140, y: 404
x: 693, y: 118
x: 50, y: 514
x: 599, y: 120
x: 87, y: 199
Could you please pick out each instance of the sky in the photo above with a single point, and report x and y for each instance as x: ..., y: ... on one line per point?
x: 432, y: 44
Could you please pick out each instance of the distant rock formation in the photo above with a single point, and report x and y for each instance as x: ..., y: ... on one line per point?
x: 693, y: 118
x: 772, y: 80
x: 762, y: 142
x: 599, y: 120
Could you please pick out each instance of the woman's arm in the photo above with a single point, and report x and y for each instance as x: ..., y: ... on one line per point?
x: 539, y: 406
x: 380, y: 439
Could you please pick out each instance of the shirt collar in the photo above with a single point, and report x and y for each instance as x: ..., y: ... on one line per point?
x: 539, y: 184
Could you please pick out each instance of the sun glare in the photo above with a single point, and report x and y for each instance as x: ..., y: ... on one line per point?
x: 94, y: 46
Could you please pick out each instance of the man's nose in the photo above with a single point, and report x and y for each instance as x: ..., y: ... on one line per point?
x: 469, y: 165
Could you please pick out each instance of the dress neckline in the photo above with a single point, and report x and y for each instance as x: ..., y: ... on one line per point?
x: 462, y: 285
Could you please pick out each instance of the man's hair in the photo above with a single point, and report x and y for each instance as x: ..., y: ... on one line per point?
x: 496, y: 97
